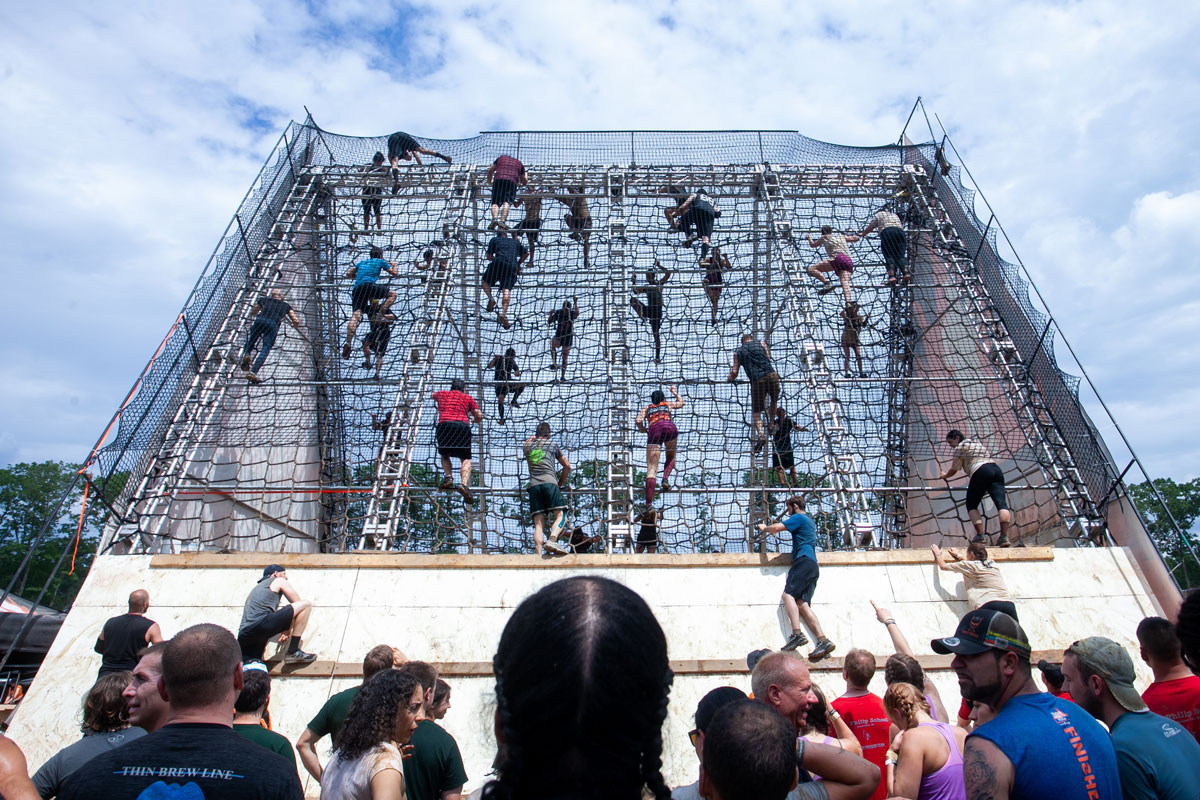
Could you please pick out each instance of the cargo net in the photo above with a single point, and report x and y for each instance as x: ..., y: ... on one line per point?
x: 290, y: 462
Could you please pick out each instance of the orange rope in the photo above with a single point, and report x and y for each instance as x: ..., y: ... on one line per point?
x: 79, y: 529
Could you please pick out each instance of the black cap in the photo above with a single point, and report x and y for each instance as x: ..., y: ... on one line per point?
x: 1052, y: 671
x: 982, y: 630
x: 271, y: 570
x: 754, y: 656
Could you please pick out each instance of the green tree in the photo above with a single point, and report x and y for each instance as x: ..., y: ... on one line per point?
x: 29, y: 497
x: 1183, y: 504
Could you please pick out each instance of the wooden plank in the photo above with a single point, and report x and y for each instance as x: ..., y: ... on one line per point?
x: 708, y: 666
x: 383, y: 560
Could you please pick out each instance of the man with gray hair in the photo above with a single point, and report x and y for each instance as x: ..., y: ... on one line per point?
x: 196, y: 754
x: 1156, y: 758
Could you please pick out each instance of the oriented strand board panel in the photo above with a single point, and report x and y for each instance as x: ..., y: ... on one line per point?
x: 713, y: 614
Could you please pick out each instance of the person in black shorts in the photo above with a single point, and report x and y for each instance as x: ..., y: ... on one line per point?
x: 578, y: 218
x: 505, y: 256
x: 973, y: 458
x: 563, y: 322
x: 647, y: 538
x: 714, y: 279
x: 456, y: 410
x: 505, y: 369
x: 531, y: 225
x: 377, y: 339
x: 372, y: 192
x: 269, y: 312
x: 783, y: 458
x: 366, y: 291
x: 504, y: 174
x: 652, y: 309
x: 700, y: 212
x: 402, y: 147
x: 263, y: 619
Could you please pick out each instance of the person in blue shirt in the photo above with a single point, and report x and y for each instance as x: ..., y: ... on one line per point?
x: 1037, y: 746
x: 366, y: 290
x: 1156, y: 757
x: 801, y: 579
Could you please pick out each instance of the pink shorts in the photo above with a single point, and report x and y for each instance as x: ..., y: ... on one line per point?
x: 842, y: 263
x: 662, y: 432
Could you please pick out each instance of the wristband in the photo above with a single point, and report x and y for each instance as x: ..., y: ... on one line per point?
x: 891, y: 755
x: 889, y: 762
x: 889, y: 621
x: 800, y: 744
x: 833, y: 713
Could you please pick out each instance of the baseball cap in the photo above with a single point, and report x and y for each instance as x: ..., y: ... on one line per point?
x: 981, y: 630
x: 1110, y: 661
x: 271, y: 570
x: 1051, y: 671
x: 754, y: 656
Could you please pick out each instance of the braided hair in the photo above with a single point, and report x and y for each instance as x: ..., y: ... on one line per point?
x: 902, y: 701
x: 581, y: 664
x: 903, y: 668
x: 372, y: 715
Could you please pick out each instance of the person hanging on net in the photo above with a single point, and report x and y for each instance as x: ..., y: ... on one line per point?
x: 505, y: 370
x: 376, y: 341
x: 891, y: 241
x: 784, y: 458
x: 801, y: 578
x: 545, y: 490
x: 655, y: 421
x: 367, y: 289
x: 837, y: 247
x: 402, y: 147
x: 531, y: 225
x: 268, y: 313
x: 714, y: 279
x: 504, y: 174
x: 986, y: 477
x: 764, y: 383
x: 456, y: 409
x: 652, y: 309
x: 563, y: 322
x: 505, y: 256
x: 853, y: 322
x: 647, y: 538
x: 372, y: 190
x: 697, y: 211
x: 578, y: 218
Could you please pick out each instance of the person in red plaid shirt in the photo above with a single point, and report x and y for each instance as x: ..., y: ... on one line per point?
x: 456, y: 409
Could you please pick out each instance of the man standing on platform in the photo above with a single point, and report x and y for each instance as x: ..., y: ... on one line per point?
x: 863, y: 712
x: 801, y: 578
x: 764, y: 383
x: 262, y: 618
x: 123, y: 637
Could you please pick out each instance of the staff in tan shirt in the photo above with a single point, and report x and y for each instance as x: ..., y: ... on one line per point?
x: 982, y: 579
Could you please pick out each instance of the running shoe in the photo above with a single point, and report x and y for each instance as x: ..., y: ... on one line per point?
x: 824, y: 647
x: 795, y: 640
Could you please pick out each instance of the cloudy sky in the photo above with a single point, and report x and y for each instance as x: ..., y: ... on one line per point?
x: 129, y: 132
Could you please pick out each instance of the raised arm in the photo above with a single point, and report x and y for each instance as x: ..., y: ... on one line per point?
x: 350, y: 273
x: 851, y: 238
x: 939, y: 558
x: 666, y: 277
x: 678, y: 401
x: 886, y: 619
x: 492, y: 364
x: 813, y: 242
x: 686, y: 204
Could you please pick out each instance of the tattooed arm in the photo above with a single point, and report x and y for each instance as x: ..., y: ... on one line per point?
x: 987, y: 772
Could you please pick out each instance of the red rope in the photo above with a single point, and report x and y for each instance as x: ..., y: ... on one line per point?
x: 79, y: 529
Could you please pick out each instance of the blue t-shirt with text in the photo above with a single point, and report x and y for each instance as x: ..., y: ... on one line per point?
x: 804, y: 536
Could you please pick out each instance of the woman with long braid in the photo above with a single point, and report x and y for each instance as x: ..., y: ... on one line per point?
x: 925, y: 760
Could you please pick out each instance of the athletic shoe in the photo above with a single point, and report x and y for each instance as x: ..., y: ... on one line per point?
x: 826, y: 289
x: 554, y: 547
x: 795, y: 640
x: 824, y: 647
x: 253, y: 378
x: 492, y: 227
x: 446, y: 484
x: 1003, y: 541
x: 299, y: 657
x: 466, y: 493
x: 759, y: 444
x: 245, y: 363
x: 366, y: 365
x: 979, y: 539
x: 514, y: 403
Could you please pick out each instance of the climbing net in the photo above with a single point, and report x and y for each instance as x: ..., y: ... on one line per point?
x: 292, y: 462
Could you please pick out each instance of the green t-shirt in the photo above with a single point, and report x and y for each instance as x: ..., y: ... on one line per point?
x: 436, y: 765
x: 268, y: 739
x: 332, y: 716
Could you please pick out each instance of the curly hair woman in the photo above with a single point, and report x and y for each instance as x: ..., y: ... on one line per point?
x: 925, y: 761
x: 368, y: 764
x: 582, y: 681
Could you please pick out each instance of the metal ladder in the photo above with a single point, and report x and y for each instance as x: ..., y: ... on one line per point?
x: 389, y: 493
x: 216, y: 373
x: 842, y: 466
x: 618, y: 499
x: 1075, y: 506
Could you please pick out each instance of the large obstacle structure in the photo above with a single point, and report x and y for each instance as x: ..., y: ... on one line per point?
x: 208, y: 478
x: 323, y: 457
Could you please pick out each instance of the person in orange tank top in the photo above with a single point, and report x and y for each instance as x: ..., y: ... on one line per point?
x: 655, y: 421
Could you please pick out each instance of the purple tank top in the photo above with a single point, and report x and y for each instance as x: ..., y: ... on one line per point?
x: 947, y: 782
x: 932, y: 709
